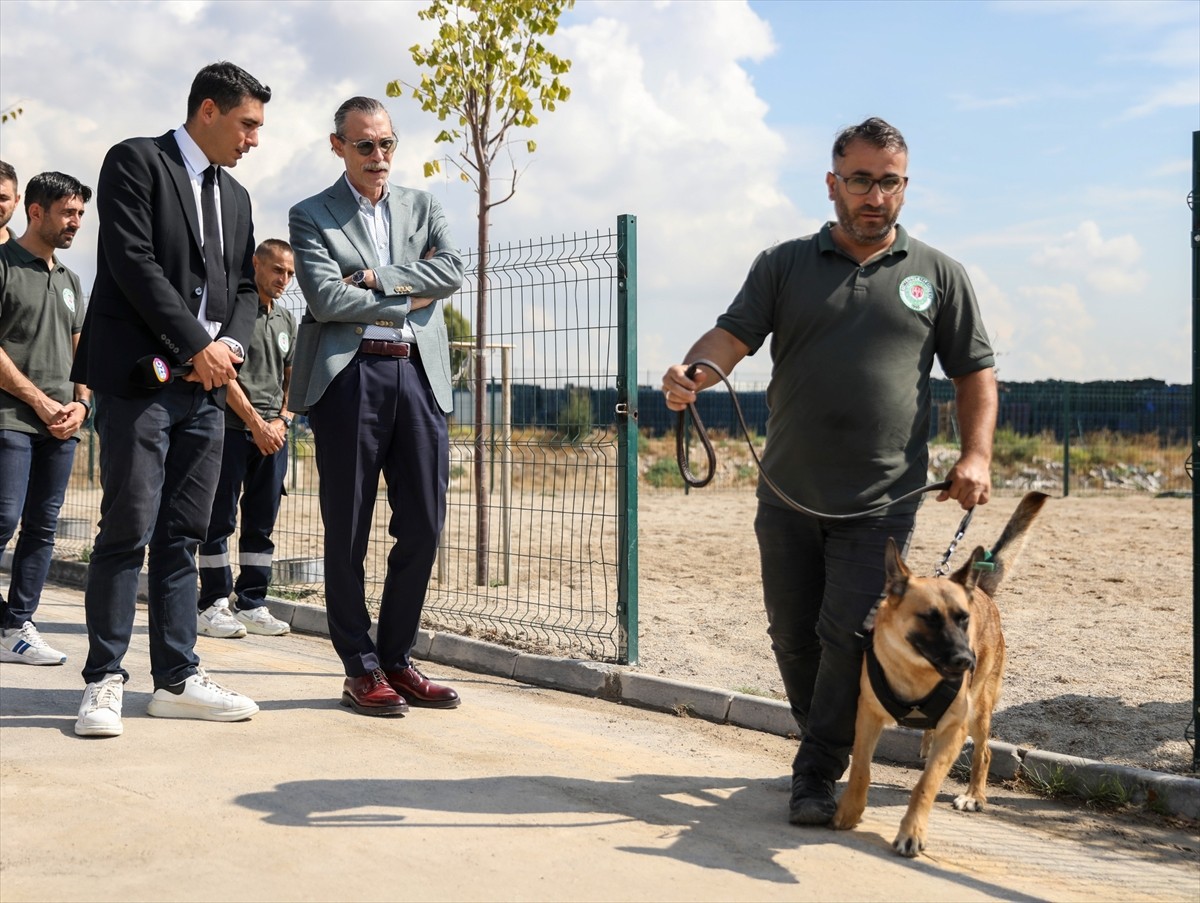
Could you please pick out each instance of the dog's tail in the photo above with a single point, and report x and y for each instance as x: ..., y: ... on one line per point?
x: 987, y: 569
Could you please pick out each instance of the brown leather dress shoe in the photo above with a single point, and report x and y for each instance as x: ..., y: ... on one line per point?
x: 372, y: 694
x: 419, y: 690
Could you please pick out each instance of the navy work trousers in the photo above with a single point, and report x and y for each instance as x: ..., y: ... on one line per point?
x: 258, y: 480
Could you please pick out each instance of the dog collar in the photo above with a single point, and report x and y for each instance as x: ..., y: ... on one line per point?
x: 924, y: 714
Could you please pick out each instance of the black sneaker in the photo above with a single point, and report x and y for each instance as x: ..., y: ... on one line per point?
x: 812, y: 801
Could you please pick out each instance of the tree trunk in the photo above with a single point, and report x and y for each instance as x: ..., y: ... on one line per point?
x: 482, y: 499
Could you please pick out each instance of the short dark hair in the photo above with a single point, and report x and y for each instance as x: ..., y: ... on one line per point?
x: 8, y: 174
x: 875, y: 132
x: 226, y: 85
x: 272, y: 246
x: 47, y: 187
x: 368, y: 105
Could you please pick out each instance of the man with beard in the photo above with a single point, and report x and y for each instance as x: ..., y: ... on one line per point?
x: 9, y: 197
x: 41, y: 314
x: 857, y: 313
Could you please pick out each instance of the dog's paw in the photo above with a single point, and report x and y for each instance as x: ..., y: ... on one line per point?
x: 966, y: 803
x: 908, y: 844
x: 845, y: 818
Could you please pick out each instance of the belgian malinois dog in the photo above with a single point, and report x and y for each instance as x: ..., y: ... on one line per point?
x: 935, y: 639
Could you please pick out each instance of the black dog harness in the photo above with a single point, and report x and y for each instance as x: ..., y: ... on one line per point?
x: 924, y: 714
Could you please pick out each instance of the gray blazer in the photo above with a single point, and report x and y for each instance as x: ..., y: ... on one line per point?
x: 330, y: 242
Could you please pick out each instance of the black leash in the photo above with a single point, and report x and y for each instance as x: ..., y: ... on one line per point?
x: 685, y: 470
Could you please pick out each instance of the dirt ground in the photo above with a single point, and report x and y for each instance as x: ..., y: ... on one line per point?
x: 1097, y: 616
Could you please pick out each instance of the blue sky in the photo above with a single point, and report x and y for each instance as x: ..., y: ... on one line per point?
x: 1050, y: 141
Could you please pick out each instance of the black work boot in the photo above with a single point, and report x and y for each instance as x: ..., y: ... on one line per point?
x: 812, y: 801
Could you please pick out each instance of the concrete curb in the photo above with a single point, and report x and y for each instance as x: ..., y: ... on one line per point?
x: 1163, y: 794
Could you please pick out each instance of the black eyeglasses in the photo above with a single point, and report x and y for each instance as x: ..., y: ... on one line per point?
x: 864, y: 184
x: 366, y: 147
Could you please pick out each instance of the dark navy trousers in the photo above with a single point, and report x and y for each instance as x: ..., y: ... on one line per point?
x: 379, y: 416
x: 821, y: 578
x: 256, y: 479
x: 160, y: 456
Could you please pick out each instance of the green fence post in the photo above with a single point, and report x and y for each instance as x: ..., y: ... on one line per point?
x: 1066, y: 403
x: 1194, y: 203
x: 627, y: 441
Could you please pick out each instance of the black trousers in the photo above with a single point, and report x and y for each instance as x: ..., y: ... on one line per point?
x: 820, y: 580
x: 379, y: 416
x: 159, y: 460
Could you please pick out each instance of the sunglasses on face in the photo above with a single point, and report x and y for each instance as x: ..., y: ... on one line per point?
x: 366, y: 147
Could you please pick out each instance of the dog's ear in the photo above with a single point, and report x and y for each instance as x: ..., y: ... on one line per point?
x: 896, y: 570
x: 968, y: 574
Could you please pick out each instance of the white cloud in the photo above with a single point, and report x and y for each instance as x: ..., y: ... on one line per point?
x: 1056, y: 339
x: 1108, y: 265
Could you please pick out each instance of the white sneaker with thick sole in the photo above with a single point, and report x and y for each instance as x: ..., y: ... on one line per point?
x: 100, y: 711
x: 25, y: 645
x: 200, y: 697
x: 260, y: 620
x: 216, y: 620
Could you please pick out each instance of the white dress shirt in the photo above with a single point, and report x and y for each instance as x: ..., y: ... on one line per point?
x: 196, y: 162
x: 378, y: 223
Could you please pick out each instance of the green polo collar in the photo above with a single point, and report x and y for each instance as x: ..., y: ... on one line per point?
x: 826, y: 244
x: 27, y: 257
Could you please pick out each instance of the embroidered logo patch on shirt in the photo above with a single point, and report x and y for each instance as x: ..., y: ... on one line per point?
x: 284, y: 342
x: 917, y: 293
x: 68, y: 297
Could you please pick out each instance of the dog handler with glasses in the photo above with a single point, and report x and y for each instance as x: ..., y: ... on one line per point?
x: 856, y: 314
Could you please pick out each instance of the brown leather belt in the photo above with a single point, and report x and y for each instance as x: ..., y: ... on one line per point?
x: 387, y: 349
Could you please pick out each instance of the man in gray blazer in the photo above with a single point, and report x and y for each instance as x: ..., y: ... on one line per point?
x: 372, y: 372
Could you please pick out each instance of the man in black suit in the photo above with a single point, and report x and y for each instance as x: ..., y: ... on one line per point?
x: 174, y: 297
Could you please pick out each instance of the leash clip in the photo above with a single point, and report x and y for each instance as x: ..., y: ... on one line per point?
x: 944, y: 568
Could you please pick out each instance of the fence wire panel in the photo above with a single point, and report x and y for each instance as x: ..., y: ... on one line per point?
x: 547, y: 446
x: 530, y: 547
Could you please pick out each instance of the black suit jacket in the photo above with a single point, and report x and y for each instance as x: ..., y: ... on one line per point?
x: 150, y: 266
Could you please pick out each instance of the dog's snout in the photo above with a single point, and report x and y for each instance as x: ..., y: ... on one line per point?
x: 963, y: 661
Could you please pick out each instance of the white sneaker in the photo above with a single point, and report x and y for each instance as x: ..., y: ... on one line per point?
x: 217, y: 621
x: 100, y: 711
x: 260, y: 620
x: 24, y: 644
x: 199, y: 697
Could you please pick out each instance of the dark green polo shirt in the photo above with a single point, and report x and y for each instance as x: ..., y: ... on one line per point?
x: 40, y: 309
x: 851, y: 350
x: 268, y: 355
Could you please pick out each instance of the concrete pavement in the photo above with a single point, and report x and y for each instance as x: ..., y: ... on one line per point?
x: 522, y: 793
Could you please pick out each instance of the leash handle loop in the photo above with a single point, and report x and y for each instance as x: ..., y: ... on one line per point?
x: 681, y: 450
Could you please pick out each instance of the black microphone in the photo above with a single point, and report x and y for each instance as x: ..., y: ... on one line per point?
x: 154, y: 372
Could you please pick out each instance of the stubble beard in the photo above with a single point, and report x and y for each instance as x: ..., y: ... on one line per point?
x: 859, y: 234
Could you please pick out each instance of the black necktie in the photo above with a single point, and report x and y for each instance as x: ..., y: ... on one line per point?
x: 214, y: 263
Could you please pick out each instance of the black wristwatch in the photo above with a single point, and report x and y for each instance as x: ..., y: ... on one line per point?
x: 359, y: 277
x: 287, y: 421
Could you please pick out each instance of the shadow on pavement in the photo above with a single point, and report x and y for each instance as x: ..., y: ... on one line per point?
x: 706, y: 817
